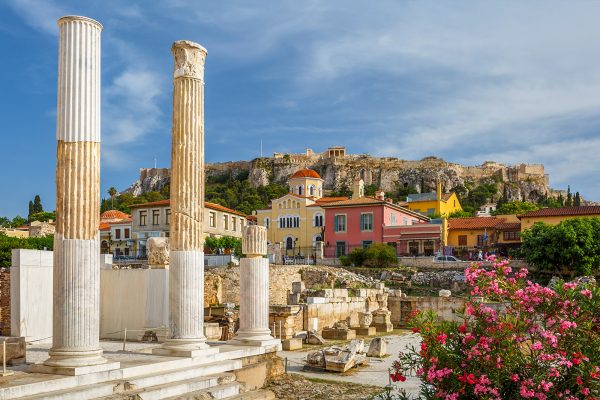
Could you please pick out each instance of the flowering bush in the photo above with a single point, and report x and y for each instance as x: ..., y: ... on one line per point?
x: 516, y: 340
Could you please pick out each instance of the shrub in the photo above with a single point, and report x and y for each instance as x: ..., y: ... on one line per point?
x: 380, y: 255
x: 535, y: 343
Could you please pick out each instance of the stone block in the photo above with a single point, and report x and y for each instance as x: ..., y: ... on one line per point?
x: 212, y: 331
x: 292, y: 344
x: 298, y: 287
x: 293, y: 298
x: 444, y: 293
x: 377, y: 348
x: 324, y: 293
x: 317, y: 300
x: 15, y: 350
x: 315, y: 338
x: 383, y: 328
x: 340, y: 292
x: 338, y: 334
x: 368, y: 331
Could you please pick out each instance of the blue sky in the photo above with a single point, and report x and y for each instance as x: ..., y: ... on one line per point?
x: 467, y: 81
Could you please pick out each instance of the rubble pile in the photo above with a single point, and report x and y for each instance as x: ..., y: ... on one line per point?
x: 339, y: 359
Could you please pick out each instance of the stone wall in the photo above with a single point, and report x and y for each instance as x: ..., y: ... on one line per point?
x: 280, y: 282
x: 403, y: 307
x: 5, y: 301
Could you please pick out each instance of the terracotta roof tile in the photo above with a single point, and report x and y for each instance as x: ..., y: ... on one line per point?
x: 563, y: 211
x: 306, y: 173
x: 114, y: 214
x: 104, y: 226
x: 474, y: 222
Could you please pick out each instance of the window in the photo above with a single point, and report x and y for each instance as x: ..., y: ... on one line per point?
x: 143, y: 218
x: 318, y: 219
x: 168, y: 216
x: 430, y: 211
x: 225, y: 222
x: 340, y: 248
x: 311, y: 190
x: 127, y: 233
x: 366, y: 243
x: 405, y: 221
x: 462, y: 240
x: 512, y: 235
x: 428, y: 247
x: 117, y: 234
x: 233, y: 224
x: 289, y: 221
x: 339, y: 223
x: 413, y: 248
x: 366, y: 222
x: 155, y: 216
x: 300, y: 190
x: 393, y: 219
x: 481, y: 240
x: 212, y: 219
x: 266, y: 223
x: 289, y: 243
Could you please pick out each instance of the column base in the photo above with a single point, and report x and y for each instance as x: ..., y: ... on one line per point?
x: 185, y: 348
x: 74, y: 371
x: 260, y: 338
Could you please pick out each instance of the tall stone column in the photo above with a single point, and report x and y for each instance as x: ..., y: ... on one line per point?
x: 186, y: 276
x: 254, y: 290
x: 75, y: 336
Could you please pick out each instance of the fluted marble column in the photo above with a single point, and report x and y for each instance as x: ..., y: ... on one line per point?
x: 254, y: 289
x: 75, y: 340
x: 186, y: 276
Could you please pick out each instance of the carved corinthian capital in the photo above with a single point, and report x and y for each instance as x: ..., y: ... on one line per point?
x: 254, y: 241
x: 189, y: 59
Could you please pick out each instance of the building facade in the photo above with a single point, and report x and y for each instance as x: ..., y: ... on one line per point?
x: 468, y: 236
x: 152, y: 220
x: 297, y: 219
x: 362, y: 221
x: 433, y: 203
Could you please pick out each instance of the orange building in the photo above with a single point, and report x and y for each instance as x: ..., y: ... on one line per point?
x: 554, y: 216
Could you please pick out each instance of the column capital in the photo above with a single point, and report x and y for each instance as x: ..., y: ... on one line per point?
x: 189, y: 59
x: 73, y: 18
x: 254, y: 241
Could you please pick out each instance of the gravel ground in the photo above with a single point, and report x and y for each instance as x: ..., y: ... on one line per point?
x: 297, y: 387
x: 376, y: 373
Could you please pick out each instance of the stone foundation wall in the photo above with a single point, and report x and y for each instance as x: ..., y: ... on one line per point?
x: 403, y: 307
x: 280, y: 282
x: 5, y: 301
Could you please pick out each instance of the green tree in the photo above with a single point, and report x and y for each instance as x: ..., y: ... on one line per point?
x: 4, y: 222
x: 18, y: 221
x: 30, y: 209
x: 569, y: 201
x: 370, y: 190
x: 37, y: 204
x: 515, y: 207
x: 577, y: 200
x: 7, y: 244
x: 572, y: 246
x: 112, y: 192
x: 460, y: 214
x: 43, y: 216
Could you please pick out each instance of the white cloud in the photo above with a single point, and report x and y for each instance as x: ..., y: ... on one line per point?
x: 39, y: 14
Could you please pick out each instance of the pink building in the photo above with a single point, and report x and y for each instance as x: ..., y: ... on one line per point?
x: 361, y: 221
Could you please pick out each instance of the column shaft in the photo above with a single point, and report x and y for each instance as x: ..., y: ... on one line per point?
x: 254, y: 299
x: 76, y: 282
x: 186, y: 282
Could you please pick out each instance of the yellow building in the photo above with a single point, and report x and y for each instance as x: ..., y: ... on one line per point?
x: 554, y: 216
x: 491, y: 234
x: 297, y: 220
x: 433, y: 203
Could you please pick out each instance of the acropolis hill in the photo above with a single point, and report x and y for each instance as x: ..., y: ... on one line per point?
x: 339, y: 169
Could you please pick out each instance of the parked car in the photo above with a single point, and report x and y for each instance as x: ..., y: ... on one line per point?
x: 445, y: 259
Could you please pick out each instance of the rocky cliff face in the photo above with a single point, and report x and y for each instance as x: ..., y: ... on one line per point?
x: 519, y: 182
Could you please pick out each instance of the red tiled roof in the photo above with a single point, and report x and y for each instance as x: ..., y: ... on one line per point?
x: 509, y: 226
x: 208, y: 204
x: 563, y: 211
x: 327, y: 200
x: 125, y: 221
x: 306, y: 173
x: 104, y: 226
x: 114, y: 214
x: 474, y: 222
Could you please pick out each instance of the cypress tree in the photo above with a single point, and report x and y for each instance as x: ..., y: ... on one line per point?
x: 30, y: 210
x: 37, y: 204
x: 569, y: 197
x: 577, y: 200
